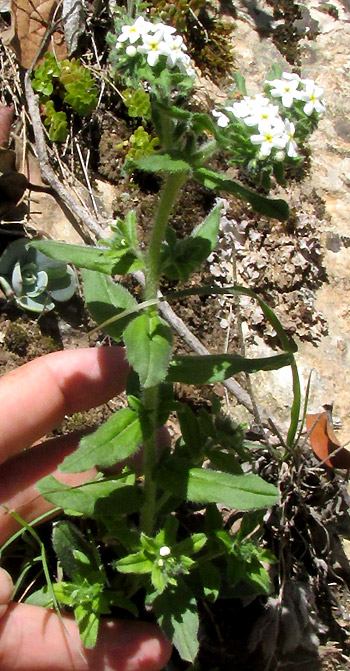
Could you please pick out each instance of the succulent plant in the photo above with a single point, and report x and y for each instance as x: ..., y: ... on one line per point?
x: 32, y: 280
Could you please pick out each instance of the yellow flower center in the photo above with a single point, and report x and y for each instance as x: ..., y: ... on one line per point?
x: 154, y: 46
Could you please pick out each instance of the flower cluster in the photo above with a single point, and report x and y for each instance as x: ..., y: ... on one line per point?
x: 273, y: 132
x: 154, y: 40
x: 291, y: 87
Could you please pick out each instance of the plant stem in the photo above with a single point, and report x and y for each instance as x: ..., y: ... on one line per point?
x: 150, y: 403
x: 167, y: 198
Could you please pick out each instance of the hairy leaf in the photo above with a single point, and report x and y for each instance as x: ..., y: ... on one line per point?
x: 67, y: 538
x: 148, y: 341
x: 114, y: 441
x: 93, y: 258
x: 211, y: 368
x: 92, y: 498
x: 182, y: 257
x: 243, y: 492
x: 160, y: 163
x: 106, y: 299
x: 275, y: 208
x: 177, y: 614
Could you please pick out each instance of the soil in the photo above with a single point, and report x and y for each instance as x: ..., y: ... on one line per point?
x: 284, y: 264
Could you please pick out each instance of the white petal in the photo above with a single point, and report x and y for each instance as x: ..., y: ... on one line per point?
x: 287, y: 99
x: 152, y: 58
x: 308, y: 108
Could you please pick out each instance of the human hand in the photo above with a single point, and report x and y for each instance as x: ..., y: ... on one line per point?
x: 34, y: 400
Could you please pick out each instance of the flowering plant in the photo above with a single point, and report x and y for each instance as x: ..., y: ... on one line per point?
x: 157, y: 557
x: 264, y: 131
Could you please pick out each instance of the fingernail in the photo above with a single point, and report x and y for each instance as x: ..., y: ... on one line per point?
x: 6, y: 587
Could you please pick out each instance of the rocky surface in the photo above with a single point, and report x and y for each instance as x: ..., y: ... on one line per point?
x: 324, y: 55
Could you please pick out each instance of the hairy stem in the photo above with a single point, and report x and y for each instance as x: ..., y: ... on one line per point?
x: 167, y: 198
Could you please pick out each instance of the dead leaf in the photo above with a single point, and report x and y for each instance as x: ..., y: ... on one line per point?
x: 30, y: 21
x: 7, y: 160
x: 6, y: 119
x: 12, y: 188
x: 324, y: 441
x: 73, y: 20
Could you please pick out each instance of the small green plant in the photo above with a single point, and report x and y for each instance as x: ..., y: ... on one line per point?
x: 141, y: 144
x: 137, y: 102
x: 168, y: 546
x: 69, y: 82
x: 34, y: 281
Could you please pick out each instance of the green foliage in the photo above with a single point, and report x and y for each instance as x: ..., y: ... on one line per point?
x: 32, y: 280
x: 70, y: 82
x: 137, y: 102
x: 177, y: 13
x: 141, y: 144
x: 158, y: 551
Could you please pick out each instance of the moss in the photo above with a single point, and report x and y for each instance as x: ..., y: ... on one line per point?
x: 328, y: 8
x: 207, y: 36
x: 17, y: 338
x: 285, y: 36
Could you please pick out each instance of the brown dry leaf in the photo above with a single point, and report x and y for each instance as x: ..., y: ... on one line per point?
x: 7, y: 160
x: 6, y: 119
x: 30, y: 21
x: 12, y: 188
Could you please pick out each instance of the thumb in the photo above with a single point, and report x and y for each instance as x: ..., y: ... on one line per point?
x: 6, y: 589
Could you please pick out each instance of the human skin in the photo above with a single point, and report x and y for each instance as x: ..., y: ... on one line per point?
x: 34, y: 399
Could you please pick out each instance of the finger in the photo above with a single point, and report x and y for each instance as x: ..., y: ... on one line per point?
x: 19, y: 475
x: 35, y: 397
x: 6, y: 589
x: 122, y: 646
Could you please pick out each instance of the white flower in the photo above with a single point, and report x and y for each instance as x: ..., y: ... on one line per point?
x: 176, y: 50
x: 239, y: 109
x: 136, y: 30
x: 291, y: 146
x: 269, y: 138
x: 312, y: 95
x: 131, y: 50
x: 154, y: 46
x: 286, y: 88
x: 164, y: 551
x: 222, y: 119
x: 263, y: 113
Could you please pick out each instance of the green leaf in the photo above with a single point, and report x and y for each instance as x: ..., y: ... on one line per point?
x: 42, y: 597
x: 177, y: 614
x: 115, y: 440
x: 66, y: 538
x: 93, y: 258
x: 211, y: 368
x: 160, y: 163
x: 275, y: 208
x: 148, y: 340
x: 92, y: 498
x: 106, y: 299
x: 224, y: 461
x: 134, y: 563
x: 242, y: 492
x: 191, y: 433
x: 88, y: 622
x: 240, y: 83
x: 180, y: 259
x: 211, y: 580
